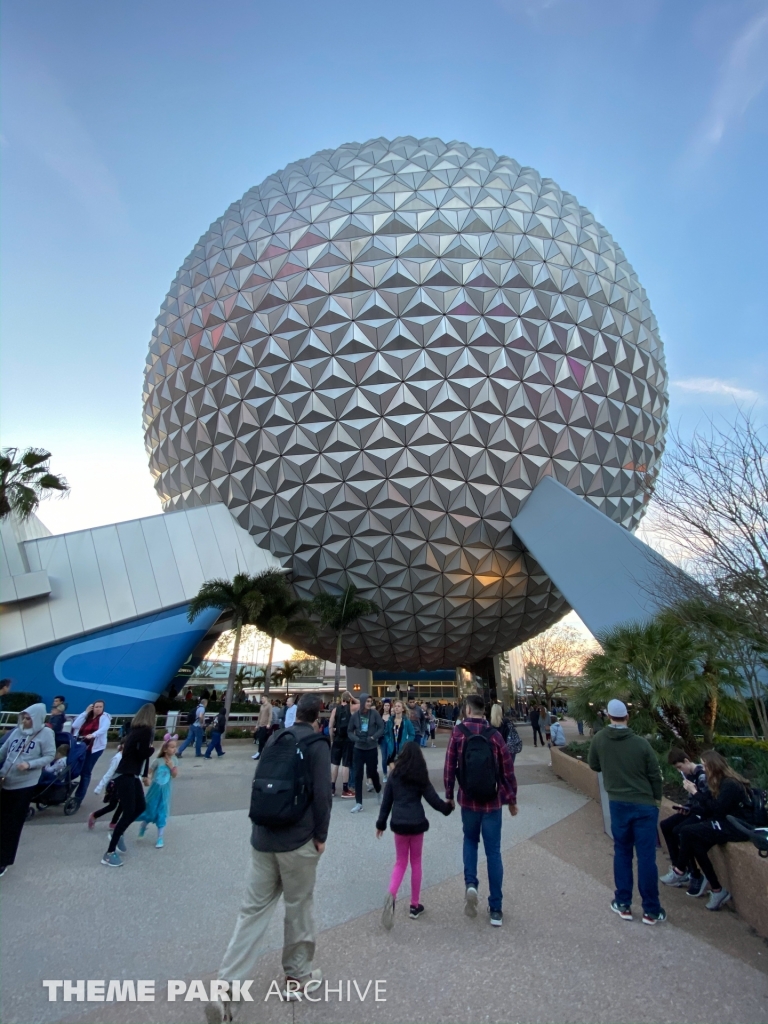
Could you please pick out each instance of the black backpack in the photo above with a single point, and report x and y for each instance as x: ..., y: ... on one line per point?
x: 282, y: 786
x: 341, y: 722
x: 478, y: 772
x: 758, y: 806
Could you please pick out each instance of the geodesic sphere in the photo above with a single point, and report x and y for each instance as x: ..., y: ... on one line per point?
x: 375, y: 355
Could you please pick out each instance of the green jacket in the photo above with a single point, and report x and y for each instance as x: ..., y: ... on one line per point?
x: 631, y: 771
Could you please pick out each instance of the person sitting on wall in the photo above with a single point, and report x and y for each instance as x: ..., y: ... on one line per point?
x: 695, y: 784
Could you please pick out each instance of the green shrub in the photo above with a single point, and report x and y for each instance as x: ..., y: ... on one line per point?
x: 747, y: 756
x: 18, y: 701
x: 578, y: 749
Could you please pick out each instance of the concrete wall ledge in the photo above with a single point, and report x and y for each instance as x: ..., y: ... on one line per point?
x: 739, y: 866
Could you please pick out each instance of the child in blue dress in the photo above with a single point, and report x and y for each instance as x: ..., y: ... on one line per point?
x: 162, y: 771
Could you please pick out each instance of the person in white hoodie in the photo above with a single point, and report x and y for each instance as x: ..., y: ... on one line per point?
x: 28, y: 749
x: 92, y: 727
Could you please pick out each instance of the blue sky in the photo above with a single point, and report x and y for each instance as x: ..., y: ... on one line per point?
x: 128, y: 127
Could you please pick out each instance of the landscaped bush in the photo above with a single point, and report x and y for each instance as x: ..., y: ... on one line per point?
x: 578, y: 749
x: 18, y: 701
x: 747, y: 756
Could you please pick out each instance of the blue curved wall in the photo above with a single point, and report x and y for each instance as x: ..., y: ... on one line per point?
x: 125, y: 665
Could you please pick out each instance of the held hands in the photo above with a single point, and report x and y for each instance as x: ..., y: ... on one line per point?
x: 23, y: 767
x: 689, y: 787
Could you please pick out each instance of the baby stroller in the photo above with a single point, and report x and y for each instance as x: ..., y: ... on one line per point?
x: 60, y: 789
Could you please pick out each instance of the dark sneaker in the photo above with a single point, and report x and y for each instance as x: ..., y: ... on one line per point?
x: 717, y: 899
x: 416, y: 911
x: 112, y: 860
x: 388, y: 913
x: 470, y: 901
x: 624, y: 912
x: 496, y: 918
x: 655, y: 918
x: 697, y: 887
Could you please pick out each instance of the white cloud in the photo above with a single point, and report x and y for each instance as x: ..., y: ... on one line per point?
x: 742, y: 77
x: 717, y: 387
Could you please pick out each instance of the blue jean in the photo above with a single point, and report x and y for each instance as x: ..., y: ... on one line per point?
x: 634, y: 828
x: 194, y: 735
x: 85, y: 775
x: 487, y: 824
x: 423, y: 739
x: 215, y: 744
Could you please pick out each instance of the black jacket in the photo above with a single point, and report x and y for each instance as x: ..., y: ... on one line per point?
x: 137, y: 751
x: 221, y: 721
x: 314, y: 822
x: 404, y: 800
x: 733, y: 799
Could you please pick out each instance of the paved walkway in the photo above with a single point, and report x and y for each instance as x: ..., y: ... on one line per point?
x: 561, y: 955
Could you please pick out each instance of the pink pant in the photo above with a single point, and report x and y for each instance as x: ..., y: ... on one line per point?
x: 407, y: 847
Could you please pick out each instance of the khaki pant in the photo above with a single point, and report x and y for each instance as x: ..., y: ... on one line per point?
x: 291, y: 875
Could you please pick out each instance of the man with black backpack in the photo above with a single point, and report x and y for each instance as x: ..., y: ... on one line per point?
x: 479, y: 758
x: 290, y: 811
x: 341, y: 746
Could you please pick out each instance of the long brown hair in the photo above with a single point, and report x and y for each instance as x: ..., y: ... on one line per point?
x: 718, y: 770
x: 146, y: 716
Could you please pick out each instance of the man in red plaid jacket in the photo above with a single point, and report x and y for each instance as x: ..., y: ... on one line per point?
x: 481, y: 817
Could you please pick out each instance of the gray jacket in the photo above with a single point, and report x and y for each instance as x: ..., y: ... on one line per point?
x: 35, y: 746
x: 365, y: 739
x: 313, y: 824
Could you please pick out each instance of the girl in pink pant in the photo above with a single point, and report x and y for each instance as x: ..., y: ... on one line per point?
x: 408, y: 784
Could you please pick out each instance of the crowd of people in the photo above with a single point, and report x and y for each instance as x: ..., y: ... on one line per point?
x: 365, y: 746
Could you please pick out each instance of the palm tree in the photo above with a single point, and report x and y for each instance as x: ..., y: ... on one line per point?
x: 242, y: 599
x: 656, y: 668
x: 281, y: 614
x: 25, y: 480
x: 289, y: 672
x: 242, y: 676
x: 338, y: 612
x: 722, y: 634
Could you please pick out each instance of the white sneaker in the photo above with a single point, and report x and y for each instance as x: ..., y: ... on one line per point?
x: 672, y: 878
x: 470, y: 901
x: 254, y: 757
x: 218, y: 1012
x: 292, y: 994
x: 717, y: 899
x: 356, y: 808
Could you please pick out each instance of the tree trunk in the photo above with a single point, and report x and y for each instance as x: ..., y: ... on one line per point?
x: 233, y: 667
x: 708, y: 719
x: 268, y: 670
x: 337, y: 681
x: 678, y: 720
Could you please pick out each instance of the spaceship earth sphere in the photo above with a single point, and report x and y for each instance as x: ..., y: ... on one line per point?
x: 375, y: 355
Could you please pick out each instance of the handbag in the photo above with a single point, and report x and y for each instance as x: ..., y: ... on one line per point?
x: 6, y: 769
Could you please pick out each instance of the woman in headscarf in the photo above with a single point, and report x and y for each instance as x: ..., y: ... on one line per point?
x: 28, y: 749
